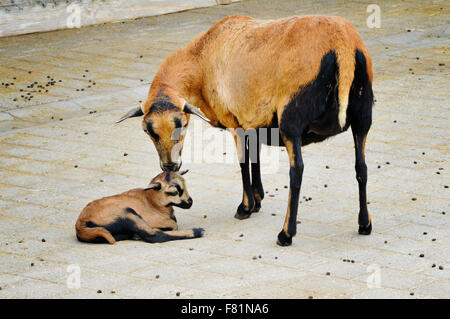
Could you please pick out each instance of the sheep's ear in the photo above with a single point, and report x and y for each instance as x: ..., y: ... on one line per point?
x: 190, y: 109
x: 154, y: 186
x: 137, y: 111
x: 183, y: 172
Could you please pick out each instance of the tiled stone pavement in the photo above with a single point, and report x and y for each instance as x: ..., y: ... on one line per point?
x: 44, y: 137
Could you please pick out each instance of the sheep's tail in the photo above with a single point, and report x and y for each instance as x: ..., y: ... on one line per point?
x: 346, y: 63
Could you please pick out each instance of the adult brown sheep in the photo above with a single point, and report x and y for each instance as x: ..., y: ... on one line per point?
x: 310, y: 77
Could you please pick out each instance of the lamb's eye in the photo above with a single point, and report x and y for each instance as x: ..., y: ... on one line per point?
x: 179, y: 189
x: 175, y: 193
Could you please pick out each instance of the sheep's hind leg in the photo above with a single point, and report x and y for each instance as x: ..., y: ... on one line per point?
x: 364, y: 221
x: 293, y: 147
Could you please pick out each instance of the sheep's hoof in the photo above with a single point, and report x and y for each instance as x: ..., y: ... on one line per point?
x: 365, y: 230
x: 198, y: 232
x: 283, y: 239
x: 257, y: 207
x: 242, y: 213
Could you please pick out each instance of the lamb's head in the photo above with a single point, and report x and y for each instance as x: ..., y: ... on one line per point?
x: 171, y: 189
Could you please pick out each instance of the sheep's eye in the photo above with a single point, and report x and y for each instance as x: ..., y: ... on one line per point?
x: 172, y: 193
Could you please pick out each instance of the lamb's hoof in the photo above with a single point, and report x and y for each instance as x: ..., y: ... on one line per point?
x: 283, y: 239
x: 198, y: 232
x: 365, y: 230
x: 242, y: 213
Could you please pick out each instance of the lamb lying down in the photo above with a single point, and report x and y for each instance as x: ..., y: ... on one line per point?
x: 145, y: 213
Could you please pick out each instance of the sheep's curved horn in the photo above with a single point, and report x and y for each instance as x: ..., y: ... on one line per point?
x: 190, y: 109
x: 137, y: 111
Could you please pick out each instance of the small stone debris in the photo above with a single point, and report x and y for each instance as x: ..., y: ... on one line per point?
x: 310, y: 297
x: 385, y: 241
x: 178, y: 294
x: 433, y: 265
x: 328, y: 273
x: 413, y: 199
x: 327, y: 167
x: 411, y: 294
x: 204, y: 216
x: 125, y: 154
x: 254, y: 257
x: 421, y: 255
x: 434, y: 239
x: 157, y: 276
x: 76, y: 166
x: 273, y: 214
x: 441, y: 267
x: 113, y: 291
x: 285, y: 186
x: 43, y: 240
x: 32, y: 264
x: 99, y: 291
x: 425, y: 233
x: 241, y: 235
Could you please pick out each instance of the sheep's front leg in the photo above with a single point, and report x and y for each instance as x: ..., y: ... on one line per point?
x: 246, y: 207
x: 293, y: 147
x: 258, y: 190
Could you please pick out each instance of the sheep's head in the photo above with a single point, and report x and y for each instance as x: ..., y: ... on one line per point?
x: 170, y: 189
x: 165, y: 121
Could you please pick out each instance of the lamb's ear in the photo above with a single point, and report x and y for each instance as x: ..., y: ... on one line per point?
x: 183, y: 172
x: 190, y: 109
x: 137, y: 111
x: 154, y: 186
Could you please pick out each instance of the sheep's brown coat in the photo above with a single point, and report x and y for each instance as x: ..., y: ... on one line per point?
x: 242, y: 70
